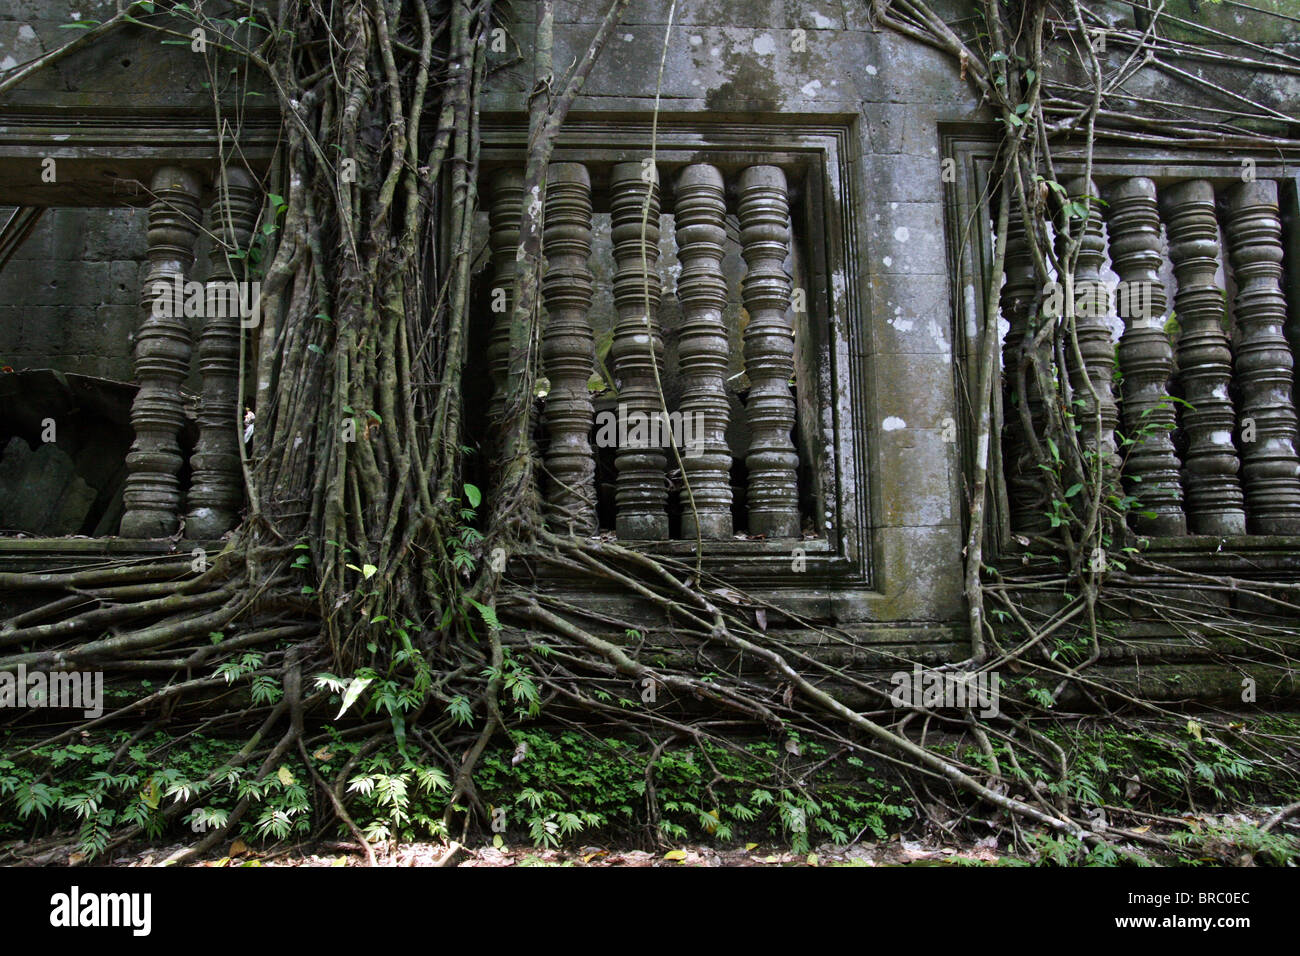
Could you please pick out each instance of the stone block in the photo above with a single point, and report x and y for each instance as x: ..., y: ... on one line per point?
x: 915, y: 391
x: 906, y: 238
x: 918, y: 477
x: 909, y: 314
x: 40, y: 492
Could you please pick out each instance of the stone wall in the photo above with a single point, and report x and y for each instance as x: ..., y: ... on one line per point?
x: 70, y: 296
x: 134, y: 60
x: 782, y: 61
x: 69, y: 299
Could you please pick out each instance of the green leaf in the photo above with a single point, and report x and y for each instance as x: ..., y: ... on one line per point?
x: 473, y: 496
x: 489, y: 616
x: 1074, y: 489
x: 357, y: 685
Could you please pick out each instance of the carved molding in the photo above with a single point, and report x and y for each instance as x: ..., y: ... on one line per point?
x: 567, y: 350
x: 217, y: 486
x: 1214, y: 500
x: 769, y: 353
x: 152, y: 496
x: 1263, y: 362
x: 641, y: 493
x: 1146, y: 358
x: 504, y: 214
x: 703, y: 350
x: 1096, y: 346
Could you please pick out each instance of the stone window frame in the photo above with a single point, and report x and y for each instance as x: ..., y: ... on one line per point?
x: 105, y: 158
x: 821, y: 150
x: 967, y: 212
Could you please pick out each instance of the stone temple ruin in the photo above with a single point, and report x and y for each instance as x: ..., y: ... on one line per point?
x: 822, y: 227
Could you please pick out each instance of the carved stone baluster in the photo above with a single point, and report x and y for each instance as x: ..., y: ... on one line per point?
x: 769, y: 353
x: 504, y: 214
x: 1270, y: 467
x: 1146, y: 358
x: 641, y: 492
x: 1096, y: 347
x: 703, y: 350
x: 152, y: 496
x: 216, y: 489
x: 1213, y: 492
x: 1027, y: 502
x: 567, y: 348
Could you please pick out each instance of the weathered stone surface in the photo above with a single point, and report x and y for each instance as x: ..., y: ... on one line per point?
x: 638, y: 350
x: 162, y: 360
x: 769, y: 354
x: 1146, y: 358
x: 1263, y: 362
x: 729, y: 64
x: 910, y: 240
x: 85, y: 264
x: 216, y: 485
x: 1093, y: 371
x: 506, y: 198
x: 1214, y: 501
x: 567, y: 344
x: 40, y: 491
x: 909, y: 315
x: 702, y: 289
x: 919, y: 474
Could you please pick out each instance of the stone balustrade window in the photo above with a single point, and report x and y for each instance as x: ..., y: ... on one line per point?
x: 1186, y: 305
x: 705, y: 358
x: 671, y: 331
x: 695, y: 382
